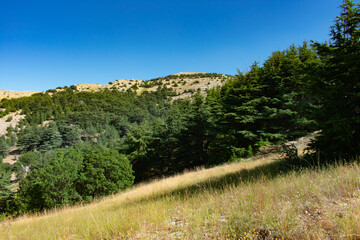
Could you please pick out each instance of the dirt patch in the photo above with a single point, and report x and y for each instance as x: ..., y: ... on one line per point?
x: 12, y: 157
x: 12, y: 119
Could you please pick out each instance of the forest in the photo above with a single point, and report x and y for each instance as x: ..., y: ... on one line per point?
x: 79, y: 146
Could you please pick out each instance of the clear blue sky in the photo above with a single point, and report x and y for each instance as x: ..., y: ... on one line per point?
x: 51, y: 43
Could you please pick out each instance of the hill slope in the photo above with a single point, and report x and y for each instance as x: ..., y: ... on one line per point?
x: 15, y: 94
x: 183, y: 84
x: 259, y: 199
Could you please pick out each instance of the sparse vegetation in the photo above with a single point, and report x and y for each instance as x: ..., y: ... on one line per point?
x: 9, y: 119
x: 190, y: 76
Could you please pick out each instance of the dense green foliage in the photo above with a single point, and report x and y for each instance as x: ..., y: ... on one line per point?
x: 78, y: 174
x: 5, y: 190
x: 103, y: 172
x: 4, y: 148
x: 158, y: 136
x: 265, y: 105
x: 337, y: 87
x: 77, y: 146
x: 52, y: 185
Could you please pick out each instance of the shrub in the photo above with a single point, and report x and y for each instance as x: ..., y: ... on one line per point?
x: 9, y: 119
x: 103, y: 172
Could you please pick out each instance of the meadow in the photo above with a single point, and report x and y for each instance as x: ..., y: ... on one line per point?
x: 259, y: 198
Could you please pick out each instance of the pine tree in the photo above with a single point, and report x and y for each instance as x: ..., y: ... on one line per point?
x: 4, y: 148
x: 243, y: 104
x: 195, y: 138
x: 70, y: 134
x: 5, y: 191
x: 29, y: 138
x: 50, y: 138
x: 284, y: 78
x: 338, y: 85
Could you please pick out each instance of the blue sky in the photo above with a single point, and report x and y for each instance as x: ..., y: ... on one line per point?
x: 47, y: 44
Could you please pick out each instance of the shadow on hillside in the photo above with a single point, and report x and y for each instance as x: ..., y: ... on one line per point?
x: 268, y: 171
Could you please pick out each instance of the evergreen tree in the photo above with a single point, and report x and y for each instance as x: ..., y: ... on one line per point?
x: 136, y: 146
x: 195, y: 138
x: 243, y: 105
x: 5, y: 191
x: 29, y: 138
x: 70, y: 134
x: 109, y: 138
x: 50, y: 138
x: 284, y: 78
x: 4, y: 148
x: 337, y: 86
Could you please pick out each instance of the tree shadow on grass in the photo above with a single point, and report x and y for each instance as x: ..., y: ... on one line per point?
x: 216, y: 184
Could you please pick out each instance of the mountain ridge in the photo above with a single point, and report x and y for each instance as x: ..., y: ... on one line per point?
x: 183, y: 83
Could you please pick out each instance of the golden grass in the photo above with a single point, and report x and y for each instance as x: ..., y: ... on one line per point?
x: 245, y: 200
x: 88, y: 87
x: 15, y: 94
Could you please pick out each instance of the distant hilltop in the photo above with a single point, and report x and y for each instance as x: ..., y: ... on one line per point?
x: 183, y: 83
x: 15, y: 94
x: 188, y: 73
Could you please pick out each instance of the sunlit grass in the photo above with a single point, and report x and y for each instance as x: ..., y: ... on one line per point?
x: 247, y: 200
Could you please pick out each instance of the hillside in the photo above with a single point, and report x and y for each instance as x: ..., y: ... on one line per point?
x: 11, y: 119
x: 15, y: 94
x: 73, y: 146
x: 146, y: 130
x: 254, y: 199
x: 184, y: 84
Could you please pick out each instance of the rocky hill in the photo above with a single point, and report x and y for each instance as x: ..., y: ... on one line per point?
x: 184, y: 84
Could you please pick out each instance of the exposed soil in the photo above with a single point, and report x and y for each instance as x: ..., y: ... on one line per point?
x: 12, y: 157
x: 15, y: 118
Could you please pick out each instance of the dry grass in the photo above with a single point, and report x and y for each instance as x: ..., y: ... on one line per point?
x: 15, y: 94
x: 248, y: 200
x: 180, y: 87
x: 88, y: 87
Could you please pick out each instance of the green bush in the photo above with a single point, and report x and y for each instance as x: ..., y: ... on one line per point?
x: 67, y: 177
x: 4, y: 148
x: 9, y: 119
x: 103, y: 172
x: 51, y: 186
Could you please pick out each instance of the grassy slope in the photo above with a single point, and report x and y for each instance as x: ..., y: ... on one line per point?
x: 15, y: 94
x: 248, y: 200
